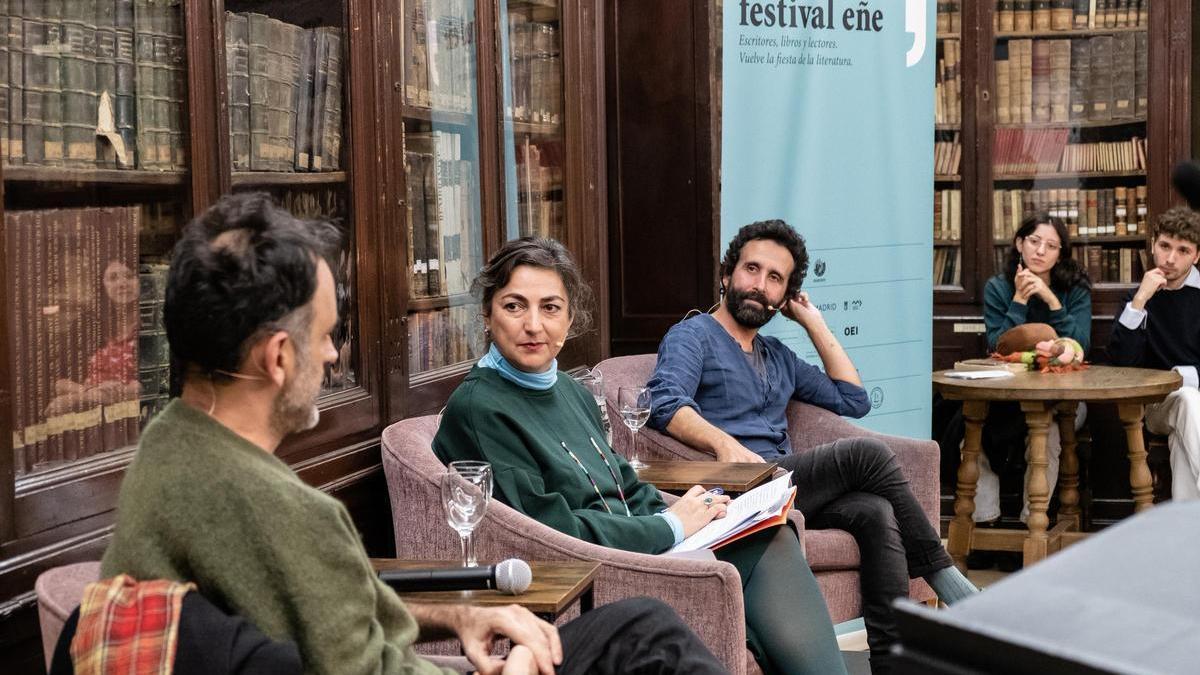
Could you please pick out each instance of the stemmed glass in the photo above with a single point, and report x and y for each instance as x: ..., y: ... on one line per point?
x: 634, y: 405
x: 593, y: 381
x: 466, y: 490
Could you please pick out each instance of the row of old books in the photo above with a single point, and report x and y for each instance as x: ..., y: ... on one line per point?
x: 1048, y: 151
x: 1109, y: 265
x: 1023, y: 16
x: 1096, y: 79
x: 439, y: 43
x: 329, y: 203
x: 947, y: 89
x: 444, y: 235
x: 536, y: 71
x: 949, y: 16
x: 444, y: 337
x: 74, y: 342
x: 947, y: 215
x: 93, y: 84
x: 947, y: 156
x: 539, y: 188
x: 1086, y: 213
x: 285, y: 94
x: 947, y: 266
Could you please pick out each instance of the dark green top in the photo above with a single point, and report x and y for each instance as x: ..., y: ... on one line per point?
x: 200, y: 503
x: 1000, y: 312
x: 521, y: 432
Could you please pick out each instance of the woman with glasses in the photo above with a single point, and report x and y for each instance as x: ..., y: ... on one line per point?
x: 1040, y: 283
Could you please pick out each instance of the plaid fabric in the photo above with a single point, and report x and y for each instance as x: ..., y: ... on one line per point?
x: 128, y: 627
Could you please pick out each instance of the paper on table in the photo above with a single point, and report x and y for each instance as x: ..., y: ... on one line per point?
x: 753, y: 507
x: 978, y: 374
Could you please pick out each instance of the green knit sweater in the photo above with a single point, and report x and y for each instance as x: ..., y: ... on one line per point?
x: 200, y: 503
x: 521, y: 432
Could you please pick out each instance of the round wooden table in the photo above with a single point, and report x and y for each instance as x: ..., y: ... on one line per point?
x: 1038, y: 394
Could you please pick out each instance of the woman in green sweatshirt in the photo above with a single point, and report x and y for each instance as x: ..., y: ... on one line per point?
x: 542, y: 434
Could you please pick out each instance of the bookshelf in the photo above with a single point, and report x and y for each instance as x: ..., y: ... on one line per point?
x: 1073, y: 115
x: 304, y: 99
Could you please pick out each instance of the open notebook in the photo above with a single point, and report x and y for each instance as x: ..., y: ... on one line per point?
x: 764, y: 506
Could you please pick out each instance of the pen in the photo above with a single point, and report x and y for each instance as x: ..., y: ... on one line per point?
x: 716, y: 491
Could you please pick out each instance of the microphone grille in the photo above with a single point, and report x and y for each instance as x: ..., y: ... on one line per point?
x: 513, y: 576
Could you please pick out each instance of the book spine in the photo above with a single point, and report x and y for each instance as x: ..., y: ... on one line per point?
x: 52, y: 95
x: 286, y: 79
x: 1124, y: 76
x: 106, y: 84
x: 143, y: 84
x: 433, y: 237
x: 320, y: 84
x: 161, y: 88
x: 176, y: 90
x: 418, y: 285
x: 1101, y: 83
x: 15, y: 33
x: 238, y: 77
x: 125, y: 107
x: 260, y: 66
x: 304, y: 100
x: 35, y: 69
x: 1023, y: 16
x: 79, y: 83
x: 331, y: 125
x: 17, y: 316
x: 5, y: 88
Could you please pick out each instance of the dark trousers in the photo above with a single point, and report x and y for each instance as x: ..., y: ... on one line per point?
x: 636, y: 635
x: 855, y: 484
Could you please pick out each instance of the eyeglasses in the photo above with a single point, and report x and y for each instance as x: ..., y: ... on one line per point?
x: 1037, y: 242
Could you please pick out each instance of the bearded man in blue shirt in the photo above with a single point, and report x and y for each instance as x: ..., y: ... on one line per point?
x: 721, y: 387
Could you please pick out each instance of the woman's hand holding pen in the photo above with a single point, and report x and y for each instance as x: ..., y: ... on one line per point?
x: 697, y: 507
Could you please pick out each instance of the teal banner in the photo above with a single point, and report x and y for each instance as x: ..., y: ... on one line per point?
x: 828, y: 124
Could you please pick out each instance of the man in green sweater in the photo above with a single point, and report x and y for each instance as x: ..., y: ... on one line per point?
x: 250, y: 309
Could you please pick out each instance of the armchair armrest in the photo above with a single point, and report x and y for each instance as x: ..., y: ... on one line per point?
x: 810, y: 426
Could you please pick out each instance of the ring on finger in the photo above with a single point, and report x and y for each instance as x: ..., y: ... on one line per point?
x: 708, y: 501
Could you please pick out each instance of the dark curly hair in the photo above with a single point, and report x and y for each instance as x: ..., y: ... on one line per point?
x: 778, y: 232
x: 1067, y: 273
x: 540, y: 252
x: 242, y: 269
x: 1179, y: 222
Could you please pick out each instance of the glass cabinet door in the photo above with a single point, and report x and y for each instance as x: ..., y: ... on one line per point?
x: 441, y: 162
x: 1070, y: 132
x: 532, y: 127
x: 94, y: 146
x: 285, y: 76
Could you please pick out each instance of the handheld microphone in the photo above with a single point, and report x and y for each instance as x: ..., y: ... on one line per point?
x: 510, y: 577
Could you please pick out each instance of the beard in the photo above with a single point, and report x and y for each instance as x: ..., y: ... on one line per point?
x: 750, y: 317
x: 295, y: 409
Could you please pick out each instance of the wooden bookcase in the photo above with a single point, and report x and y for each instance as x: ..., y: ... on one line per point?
x: 308, y: 100
x: 990, y: 39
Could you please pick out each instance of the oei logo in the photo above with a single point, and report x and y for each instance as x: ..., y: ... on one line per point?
x: 819, y: 268
x: 876, y: 397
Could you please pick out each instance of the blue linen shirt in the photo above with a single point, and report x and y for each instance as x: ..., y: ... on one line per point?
x: 701, y: 366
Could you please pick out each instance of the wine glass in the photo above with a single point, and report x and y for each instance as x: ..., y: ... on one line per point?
x: 593, y: 381
x: 466, y: 491
x: 634, y: 405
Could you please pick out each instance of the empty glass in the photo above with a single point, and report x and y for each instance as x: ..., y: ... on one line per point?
x: 634, y: 405
x: 466, y: 490
x: 593, y: 380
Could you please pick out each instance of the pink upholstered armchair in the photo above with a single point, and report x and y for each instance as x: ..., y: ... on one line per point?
x: 832, y: 554
x: 707, y: 593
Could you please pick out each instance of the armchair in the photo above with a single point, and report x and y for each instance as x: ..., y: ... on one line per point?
x: 698, y: 589
x: 832, y: 554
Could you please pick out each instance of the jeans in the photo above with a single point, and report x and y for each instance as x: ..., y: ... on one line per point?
x: 855, y: 484
x: 635, y: 635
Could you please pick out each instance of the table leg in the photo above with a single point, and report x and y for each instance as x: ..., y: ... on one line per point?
x: 1140, y: 481
x: 1068, y: 467
x: 1037, y: 416
x: 963, y: 526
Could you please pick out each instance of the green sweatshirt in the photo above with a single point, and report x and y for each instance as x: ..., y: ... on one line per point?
x: 200, y: 503
x: 521, y: 432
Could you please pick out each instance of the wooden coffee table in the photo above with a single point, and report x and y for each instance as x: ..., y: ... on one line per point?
x: 556, y: 585
x: 679, y: 476
x: 1130, y: 388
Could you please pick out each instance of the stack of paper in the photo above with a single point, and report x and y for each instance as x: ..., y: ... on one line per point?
x: 764, y: 506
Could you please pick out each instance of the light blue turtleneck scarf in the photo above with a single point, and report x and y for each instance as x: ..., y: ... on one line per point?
x: 537, y: 381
